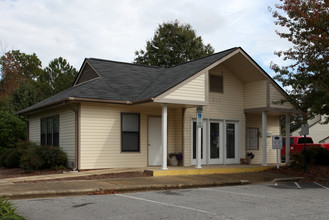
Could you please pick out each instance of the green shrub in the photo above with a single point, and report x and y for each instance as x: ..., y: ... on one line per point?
x: 297, y: 161
x: 10, y: 158
x: 3, y: 158
x: 53, y: 157
x: 322, y: 157
x: 30, y: 156
x: 42, y: 157
x: 311, y: 153
x: 315, y: 155
x: 26, y: 145
x: 13, y: 129
x: 31, y: 161
x: 7, y: 211
x: 13, y: 158
x: 2, y: 150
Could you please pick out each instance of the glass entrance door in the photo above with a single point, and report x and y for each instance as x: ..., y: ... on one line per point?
x: 231, y: 142
x: 219, y: 142
x: 215, y: 142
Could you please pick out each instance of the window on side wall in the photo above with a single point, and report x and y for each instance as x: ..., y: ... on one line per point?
x: 130, y: 132
x: 216, y: 83
x: 49, y: 131
x: 252, y: 139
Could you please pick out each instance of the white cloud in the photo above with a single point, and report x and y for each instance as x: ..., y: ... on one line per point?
x: 113, y: 30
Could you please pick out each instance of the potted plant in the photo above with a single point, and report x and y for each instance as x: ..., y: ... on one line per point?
x: 250, y: 156
x: 174, y: 158
x: 179, y: 157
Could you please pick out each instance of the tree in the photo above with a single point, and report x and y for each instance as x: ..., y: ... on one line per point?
x: 12, y: 129
x: 26, y: 95
x: 16, y: 68
x: 173, y: 43
x: 307, y: 74
x: 58, y: 76
x: 23, y: 88
x: 23, y: 83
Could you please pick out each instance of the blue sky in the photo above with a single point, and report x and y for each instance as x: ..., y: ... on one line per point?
x: 76, y: 29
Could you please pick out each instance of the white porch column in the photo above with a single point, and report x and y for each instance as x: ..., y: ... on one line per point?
x: 264, y: 137
x: 198, y: 149
x: 164, y: 136
x: 287, y: 138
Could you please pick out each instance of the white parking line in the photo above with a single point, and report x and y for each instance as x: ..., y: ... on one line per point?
x: 298, y: 186
x: 166, y: 204
x: 321, y: 185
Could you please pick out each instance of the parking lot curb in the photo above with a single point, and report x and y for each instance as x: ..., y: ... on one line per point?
x: 167, y: 187
x: 115, y: 190
x: 289, y: 179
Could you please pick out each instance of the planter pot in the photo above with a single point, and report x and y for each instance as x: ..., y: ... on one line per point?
x: 173, y: 161
x: 249, y: 160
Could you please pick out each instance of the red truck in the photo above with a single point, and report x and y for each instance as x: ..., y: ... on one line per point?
x: 297, y: 145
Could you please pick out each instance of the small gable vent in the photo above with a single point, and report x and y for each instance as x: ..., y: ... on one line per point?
x: 87, y: 74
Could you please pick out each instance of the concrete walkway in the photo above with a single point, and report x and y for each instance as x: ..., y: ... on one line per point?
x: 48, y: 185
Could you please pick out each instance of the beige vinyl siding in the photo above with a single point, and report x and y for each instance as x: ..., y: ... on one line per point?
x: 255, y: 94
x: 276, y: 97
x: 66, y: 131
x: 191, y: 91
x: 101, y: 135
x: 224, y: 106
x: 67, y: 135
x: 34, y: 129
x: 273, y: 127
x: 174, y: 130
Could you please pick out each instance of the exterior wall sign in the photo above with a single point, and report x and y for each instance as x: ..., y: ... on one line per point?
x: 305, y: 129
x: 276, y: 142
x: 199, y: 117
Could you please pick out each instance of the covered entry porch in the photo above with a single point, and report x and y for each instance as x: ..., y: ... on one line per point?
x: 261, y: 125
x: 176, y: 131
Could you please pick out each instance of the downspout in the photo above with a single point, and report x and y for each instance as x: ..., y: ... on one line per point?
x: 183, y: 132
x: 77, y: 130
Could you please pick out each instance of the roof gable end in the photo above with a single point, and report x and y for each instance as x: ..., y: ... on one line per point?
x: 86, y: 74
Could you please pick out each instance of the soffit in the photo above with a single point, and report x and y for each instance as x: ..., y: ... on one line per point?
x: 243, y: 68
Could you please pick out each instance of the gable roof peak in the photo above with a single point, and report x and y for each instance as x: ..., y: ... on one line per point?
x: 200, y: 58
x: 125, y: 63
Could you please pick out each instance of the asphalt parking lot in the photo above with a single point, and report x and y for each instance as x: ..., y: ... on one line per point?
x: 290, y: 200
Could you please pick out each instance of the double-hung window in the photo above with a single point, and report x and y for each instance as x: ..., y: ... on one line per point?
x: 130, y: 132
x: 252, y: 137
x: 50, y: 131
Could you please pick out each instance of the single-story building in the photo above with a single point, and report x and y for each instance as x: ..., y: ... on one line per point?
x: 120, y: 115
x: 318, y: 130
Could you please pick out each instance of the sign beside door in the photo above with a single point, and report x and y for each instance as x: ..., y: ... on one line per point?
x: 199, y: 117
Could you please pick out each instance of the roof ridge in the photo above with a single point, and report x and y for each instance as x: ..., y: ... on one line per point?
x: 233, y: 48
x: 122, y: 62
x: 157, y: 67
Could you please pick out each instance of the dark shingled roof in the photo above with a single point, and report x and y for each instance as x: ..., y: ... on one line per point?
x: 126, y: 82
